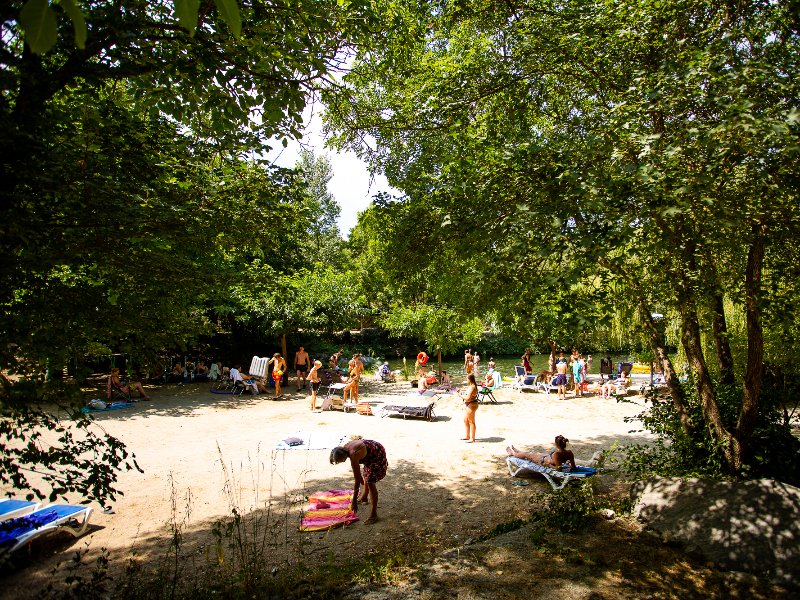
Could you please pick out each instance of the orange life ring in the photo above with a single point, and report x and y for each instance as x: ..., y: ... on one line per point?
x: 422, y: 358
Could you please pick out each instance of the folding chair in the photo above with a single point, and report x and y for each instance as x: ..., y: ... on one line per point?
x: 487, y: 392
x: 18, y: 532
x: 117, y: 392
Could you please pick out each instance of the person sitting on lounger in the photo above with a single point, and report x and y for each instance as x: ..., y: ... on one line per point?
x: 445, y: 383
x: 178, y: 373
x: 126, y: 389
x: 556, y: 459
x: 612, y: 384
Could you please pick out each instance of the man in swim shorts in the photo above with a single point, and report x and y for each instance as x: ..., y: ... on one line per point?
x: 301, y: 366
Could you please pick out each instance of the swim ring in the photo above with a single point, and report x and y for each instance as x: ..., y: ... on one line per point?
x: 422, y: 358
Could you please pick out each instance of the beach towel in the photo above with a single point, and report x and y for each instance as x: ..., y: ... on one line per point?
x: 327, y: 510
x: 312, y: 440
x: 113, y: 406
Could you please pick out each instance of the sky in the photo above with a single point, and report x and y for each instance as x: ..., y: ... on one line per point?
x: 351, y: 185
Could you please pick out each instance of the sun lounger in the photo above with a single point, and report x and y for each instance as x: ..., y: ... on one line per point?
x: 520, y: 467
x: 18, y: 532
x: 519, y: 380
x: 12, y: 508
x: 423, y: 412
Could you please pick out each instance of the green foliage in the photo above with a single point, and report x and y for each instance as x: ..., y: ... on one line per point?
x: 570, y: 510
x: 73, y: 459
x: 441, y: 328
x: 774, y: 452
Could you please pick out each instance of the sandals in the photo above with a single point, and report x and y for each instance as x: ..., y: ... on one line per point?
x: 371, y: 520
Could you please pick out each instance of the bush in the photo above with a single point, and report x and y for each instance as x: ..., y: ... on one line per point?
x: 774, y: 453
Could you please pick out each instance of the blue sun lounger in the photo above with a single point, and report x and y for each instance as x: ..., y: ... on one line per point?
x: 11, y: 508
x: 520, y: 467
x: 21, y: 530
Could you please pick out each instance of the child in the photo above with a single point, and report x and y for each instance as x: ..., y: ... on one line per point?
x: 278, y: 368
x: 313, y: 377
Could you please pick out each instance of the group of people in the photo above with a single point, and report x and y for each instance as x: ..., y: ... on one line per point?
x: 370, y: 464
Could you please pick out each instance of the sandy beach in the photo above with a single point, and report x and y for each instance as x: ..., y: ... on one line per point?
x: 437, y: 485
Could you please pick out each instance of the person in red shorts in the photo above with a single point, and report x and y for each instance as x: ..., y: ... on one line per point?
x: 372, y: 456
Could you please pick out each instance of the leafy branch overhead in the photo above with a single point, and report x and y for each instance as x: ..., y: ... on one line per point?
x: 38, y: 20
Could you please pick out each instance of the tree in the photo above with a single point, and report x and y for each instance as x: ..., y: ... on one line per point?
x: 640, y: 142
x: 315, y: 173
x: 128, y: 205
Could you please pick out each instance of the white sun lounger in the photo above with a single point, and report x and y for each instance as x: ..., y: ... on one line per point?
x: 11, y: 508
x: 519, y: 467
x: 18, y: 532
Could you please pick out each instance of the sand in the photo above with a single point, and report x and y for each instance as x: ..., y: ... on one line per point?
x: 437, y: 485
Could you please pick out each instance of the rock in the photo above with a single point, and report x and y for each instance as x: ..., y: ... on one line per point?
x: 606, y: 513
x: 750, y: 526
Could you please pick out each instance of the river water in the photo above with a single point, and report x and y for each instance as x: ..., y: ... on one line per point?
x: 505, y: 364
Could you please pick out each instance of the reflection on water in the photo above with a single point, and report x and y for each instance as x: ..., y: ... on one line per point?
x: 505, y: 364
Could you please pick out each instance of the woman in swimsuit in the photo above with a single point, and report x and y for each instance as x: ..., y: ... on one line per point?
x: 470, y: 397
x: 468, y: 362
x: 526, y: 361
x: 313, y: 377
x: 126, y: 389
x: 558, y: 457
x: 372, y: 455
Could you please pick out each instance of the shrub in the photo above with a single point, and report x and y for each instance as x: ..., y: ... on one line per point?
x: 774, y: 453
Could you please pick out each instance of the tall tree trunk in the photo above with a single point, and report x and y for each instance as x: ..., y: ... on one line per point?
x: 690, y: 338
x: 755, y: 349
x: 720, y: 326
x: 670, y: 376
x: 439, y: 355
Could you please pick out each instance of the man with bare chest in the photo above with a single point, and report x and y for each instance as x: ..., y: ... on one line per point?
x: 301, y: 364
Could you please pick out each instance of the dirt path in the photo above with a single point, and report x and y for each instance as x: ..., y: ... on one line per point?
x: 437, y: 486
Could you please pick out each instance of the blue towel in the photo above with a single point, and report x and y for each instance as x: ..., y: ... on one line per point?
x: 11, y: 530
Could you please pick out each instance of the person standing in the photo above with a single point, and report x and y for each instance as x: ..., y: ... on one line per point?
x: 372, y: 455
x: 561, y: 378
x: 470, y: 397
x: 313, y: 377
x: 526, y: 361
x: 476, y: 361
x: 576, y: 377
x: 468, y: 361
x: 301, y: 366
x: 278, y: 369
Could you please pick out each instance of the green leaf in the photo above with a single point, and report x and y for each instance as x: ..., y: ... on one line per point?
x: 230, y: 12
x: 38, y: 21
x: 186, y: 11
x: 78, y: 21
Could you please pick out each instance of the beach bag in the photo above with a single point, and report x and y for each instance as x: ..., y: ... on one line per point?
x: 326, y: 404
x: 363, y: 408
x: 97, y: 404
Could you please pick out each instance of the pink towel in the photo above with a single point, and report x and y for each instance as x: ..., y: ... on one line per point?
x: 327, y: 510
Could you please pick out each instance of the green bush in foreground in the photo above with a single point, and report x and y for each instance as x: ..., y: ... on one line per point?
x: 774, y: 453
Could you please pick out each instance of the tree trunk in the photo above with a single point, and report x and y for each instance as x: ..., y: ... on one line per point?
x: 439, y: 353
x: 286, y: 358
x: 670, y: 376
x: 690, y: 338
x: 755, y: 349
x: 724, y: 356
x: 552, y: 360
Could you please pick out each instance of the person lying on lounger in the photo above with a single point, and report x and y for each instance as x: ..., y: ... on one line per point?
x: 557, y: 458
x: 614, y: 384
